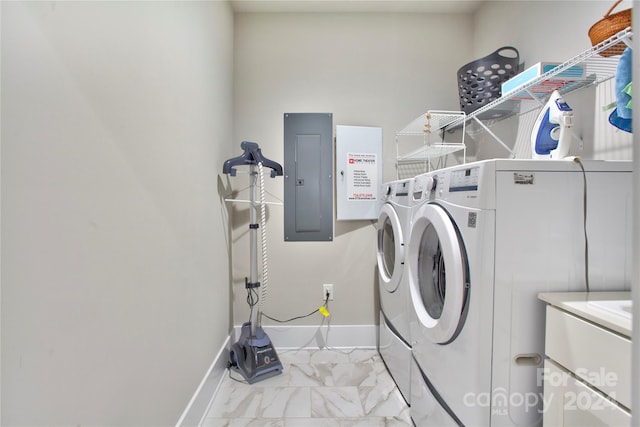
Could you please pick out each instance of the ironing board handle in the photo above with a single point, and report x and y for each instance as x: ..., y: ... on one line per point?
x: 252, y: 156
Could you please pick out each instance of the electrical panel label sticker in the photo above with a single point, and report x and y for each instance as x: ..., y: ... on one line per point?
x: 362, y: 178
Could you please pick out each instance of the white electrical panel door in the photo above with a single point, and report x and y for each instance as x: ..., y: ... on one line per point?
x: 358, y: 172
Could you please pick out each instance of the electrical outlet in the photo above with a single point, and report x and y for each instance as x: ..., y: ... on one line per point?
x: 327, y: 289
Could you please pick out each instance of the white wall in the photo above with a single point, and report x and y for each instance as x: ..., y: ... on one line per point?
x: 520, y: 24
x: 379, y: 70
x: 116, y: 118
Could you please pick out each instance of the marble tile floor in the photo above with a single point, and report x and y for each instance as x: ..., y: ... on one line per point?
x: 317, y: 388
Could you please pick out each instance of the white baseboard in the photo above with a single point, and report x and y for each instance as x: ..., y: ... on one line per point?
x: 314, y: 336
x: 282, y: 337
x: 198, y: 407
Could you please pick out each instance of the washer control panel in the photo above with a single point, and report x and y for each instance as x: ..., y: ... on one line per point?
x: 461, y: 185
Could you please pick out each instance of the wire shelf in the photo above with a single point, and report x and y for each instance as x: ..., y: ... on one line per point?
x: 598, y: 69
x: 519, y: 102
x: 422, y: 141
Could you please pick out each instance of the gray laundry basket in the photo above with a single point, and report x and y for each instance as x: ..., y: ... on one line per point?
x: 480, y: 81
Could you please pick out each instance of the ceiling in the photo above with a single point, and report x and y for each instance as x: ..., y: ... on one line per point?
x: 388, y: 6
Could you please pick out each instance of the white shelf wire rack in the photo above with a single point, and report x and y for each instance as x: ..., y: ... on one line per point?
x: 534, y: 94
x: 523, y: 102
x: 422, y: 141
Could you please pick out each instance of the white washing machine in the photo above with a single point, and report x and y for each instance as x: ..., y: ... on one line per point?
x: 393, y: 232
x: 486, y: 239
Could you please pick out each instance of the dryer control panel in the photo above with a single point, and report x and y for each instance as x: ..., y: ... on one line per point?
x: 461, y: 185
x: 464, y: 179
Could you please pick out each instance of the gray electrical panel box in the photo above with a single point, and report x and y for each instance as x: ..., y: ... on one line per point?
x: 308, y: 179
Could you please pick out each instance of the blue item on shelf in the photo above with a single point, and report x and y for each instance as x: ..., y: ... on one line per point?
x: 620, y: 117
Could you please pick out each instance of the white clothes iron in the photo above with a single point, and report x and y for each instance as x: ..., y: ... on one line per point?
x: 551, y: 135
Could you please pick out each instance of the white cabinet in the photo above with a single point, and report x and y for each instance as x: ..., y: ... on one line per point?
x: 570, y: 402
x: 587, y: 376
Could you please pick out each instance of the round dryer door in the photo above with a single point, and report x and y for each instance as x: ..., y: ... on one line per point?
x: 438, y: 274
x: 390, y: 248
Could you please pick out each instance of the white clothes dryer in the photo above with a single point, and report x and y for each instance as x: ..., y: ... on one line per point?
x: 393, y: 231
x: 487, y: 238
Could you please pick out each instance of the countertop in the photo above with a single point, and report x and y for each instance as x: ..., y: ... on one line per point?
x: 611, y: 310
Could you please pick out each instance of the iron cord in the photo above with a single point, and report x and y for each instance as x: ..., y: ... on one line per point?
x: 325, y: 305
x: 235, y: 379
x: 252, y: 300
x: 586, y: 238
x: 265, y: 270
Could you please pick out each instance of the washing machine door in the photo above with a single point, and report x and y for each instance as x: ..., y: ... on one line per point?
x: 390, y: 248
x: 438, y: 274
